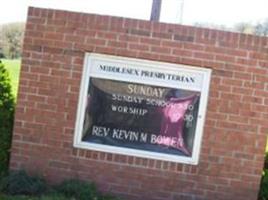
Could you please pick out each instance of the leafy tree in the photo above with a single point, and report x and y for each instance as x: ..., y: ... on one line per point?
x: 244, y: 27
x: 212, y: 26
x: 11, y: 39
x: 262, y: 28
x: 6, y: 118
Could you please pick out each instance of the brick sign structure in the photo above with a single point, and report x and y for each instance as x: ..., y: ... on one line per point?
x: 234, y: 133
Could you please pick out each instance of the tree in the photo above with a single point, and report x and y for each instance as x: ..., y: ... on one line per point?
x: 211, y: 26
x: 11, y: 39
x: 244, y: 27
x: 262, y: 28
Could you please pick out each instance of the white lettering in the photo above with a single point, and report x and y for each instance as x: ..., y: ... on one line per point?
x: 100, y: 131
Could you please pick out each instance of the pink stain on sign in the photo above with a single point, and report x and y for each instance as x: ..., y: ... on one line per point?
x: 173, y: 123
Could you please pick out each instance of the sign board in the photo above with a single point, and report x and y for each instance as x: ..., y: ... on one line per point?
x: 142, y: 108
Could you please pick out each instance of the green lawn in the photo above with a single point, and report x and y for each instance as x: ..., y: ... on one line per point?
x: 13, y: 67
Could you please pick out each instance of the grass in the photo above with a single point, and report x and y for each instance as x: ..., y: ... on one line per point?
x: 13, y: 67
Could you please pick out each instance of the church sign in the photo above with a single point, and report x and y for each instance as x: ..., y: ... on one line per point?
x: 142, y: 108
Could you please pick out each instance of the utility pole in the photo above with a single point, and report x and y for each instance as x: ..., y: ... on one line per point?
x: 156, y: 10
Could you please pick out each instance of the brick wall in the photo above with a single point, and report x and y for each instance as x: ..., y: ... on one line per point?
x: 233, y: 144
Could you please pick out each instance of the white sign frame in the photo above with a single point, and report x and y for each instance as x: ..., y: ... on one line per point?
x: 91, y: 61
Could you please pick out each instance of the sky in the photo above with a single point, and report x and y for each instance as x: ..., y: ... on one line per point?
x: 220, y: 12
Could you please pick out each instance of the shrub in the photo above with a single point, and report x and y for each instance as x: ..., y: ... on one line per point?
x: 26, y: 187
x: 6, y: 118
x: 263, y: 194
x: 78, y: 190
x: 108, y: 197
x: 53, y: 197
x: 47, y: 197
x: 20, y: 183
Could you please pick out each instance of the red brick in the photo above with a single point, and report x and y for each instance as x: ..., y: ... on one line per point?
x: 53, y: 36
x: 115, y: 44
x: 150, y: 41
x: 139, y: 47
x: 183, y: 53
x: 74, y: 38
x: 160, y: 50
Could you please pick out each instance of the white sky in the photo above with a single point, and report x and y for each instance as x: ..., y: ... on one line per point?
x: 225, y: 12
